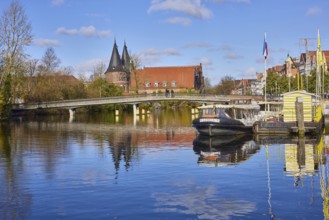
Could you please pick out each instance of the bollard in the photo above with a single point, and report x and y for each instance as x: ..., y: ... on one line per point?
x: 300, y: 116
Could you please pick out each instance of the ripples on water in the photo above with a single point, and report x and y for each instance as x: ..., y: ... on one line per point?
x: 156, y: 167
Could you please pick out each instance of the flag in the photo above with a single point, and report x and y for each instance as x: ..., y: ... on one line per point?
x: 319, y: 55
x: 325, y: 66
x: 265, y: 47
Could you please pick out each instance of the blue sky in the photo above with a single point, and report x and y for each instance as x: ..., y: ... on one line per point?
x: 226, y: 36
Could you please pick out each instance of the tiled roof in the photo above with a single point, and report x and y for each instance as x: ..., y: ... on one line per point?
x: 183, y: 76
x: 115, y: 62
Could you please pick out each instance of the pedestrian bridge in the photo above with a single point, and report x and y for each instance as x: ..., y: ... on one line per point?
x: 134, y: 100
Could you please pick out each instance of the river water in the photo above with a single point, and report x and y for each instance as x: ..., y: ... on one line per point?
x: 155, y: 167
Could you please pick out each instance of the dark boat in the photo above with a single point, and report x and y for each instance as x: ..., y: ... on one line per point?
x: 226, y: 119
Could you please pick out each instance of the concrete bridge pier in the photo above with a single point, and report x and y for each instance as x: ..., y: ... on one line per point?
x: 135, y: 109
x: 72, y: 114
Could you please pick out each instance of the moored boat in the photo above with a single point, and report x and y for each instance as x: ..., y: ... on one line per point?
x: 226, y: 119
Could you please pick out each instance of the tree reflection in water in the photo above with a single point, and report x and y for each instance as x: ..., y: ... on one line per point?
x: 15, y: 202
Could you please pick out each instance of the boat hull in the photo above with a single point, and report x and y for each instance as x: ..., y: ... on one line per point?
x: 217, y: 126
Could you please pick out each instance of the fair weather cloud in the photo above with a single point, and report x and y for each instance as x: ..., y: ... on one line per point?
x: 86, y: 68
x: 232, y: 56
x: 46, y: 43
x: 151, y: 55
x: 313, y: 11
x: 179, y: 20
x: 232, y: 1
x: 86, y: 31
x: 197, y: 45
x: 57, y: 2
x: 193, y: 8
x: 250, y: 72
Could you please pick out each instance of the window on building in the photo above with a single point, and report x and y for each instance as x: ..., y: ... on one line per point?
x: 164, y: 84
x: 147, y: 84
x: 173, y: 83
x: 156, y: 84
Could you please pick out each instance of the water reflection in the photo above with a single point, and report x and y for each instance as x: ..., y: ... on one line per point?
x: 201, y: 201
x: 302, y: 155
x: 15, y: 201
x: 224, y: 150
x: 95, y: 160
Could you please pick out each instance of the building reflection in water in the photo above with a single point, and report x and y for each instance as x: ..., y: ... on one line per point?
x: 304, y: 157
x: 224, y: 150
x: 125, y: 142
x: 121, y: 148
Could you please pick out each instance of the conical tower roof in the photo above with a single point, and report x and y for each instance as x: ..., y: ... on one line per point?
x: 125, y: 58
x: 115, y: 62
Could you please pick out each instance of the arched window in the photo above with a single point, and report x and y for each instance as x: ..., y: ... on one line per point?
x: 147, y: 84
x: 156, y: 84
x: 164, y: 84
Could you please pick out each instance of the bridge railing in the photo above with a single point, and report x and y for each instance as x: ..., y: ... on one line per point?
x: 129, y: 99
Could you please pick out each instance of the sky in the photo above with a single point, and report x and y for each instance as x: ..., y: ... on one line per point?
x: 225, y: 36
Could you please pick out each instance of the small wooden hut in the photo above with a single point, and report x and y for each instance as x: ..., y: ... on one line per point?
x: 310, y: 108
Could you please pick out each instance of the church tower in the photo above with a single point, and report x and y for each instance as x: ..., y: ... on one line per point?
x: 118, y: 71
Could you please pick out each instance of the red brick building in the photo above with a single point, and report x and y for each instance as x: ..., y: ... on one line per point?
x: 151, y: 79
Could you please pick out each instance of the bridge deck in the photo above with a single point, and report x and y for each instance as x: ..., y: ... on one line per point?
x: 136, y: 99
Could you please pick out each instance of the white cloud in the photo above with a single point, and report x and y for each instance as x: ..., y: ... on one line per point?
x: 233, y: 1
x: 250, y: 72
x: 179, y: 20
x: 87, y: 31
x: 151, y: 56
x: 192, y: 8
x: 57, y: 2
x: 65, y: 31
x: 197, y: 45
x: 226, y: 47
x: 206, y: 62
x: 46, y: 42
x: 86, y: 68
x: 223, y: 47
x: 232, y: 56
x: 313, y: 11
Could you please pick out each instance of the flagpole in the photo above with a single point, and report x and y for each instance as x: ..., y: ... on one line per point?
x: 265, y: 54
x: 265, y: 76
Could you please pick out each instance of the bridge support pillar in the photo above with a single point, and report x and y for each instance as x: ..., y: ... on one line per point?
x: 72, y: 114
x: 135, y: 109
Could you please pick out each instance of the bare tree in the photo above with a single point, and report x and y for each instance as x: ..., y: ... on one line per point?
x: 32, y: 68
x: 135, y: 65
x: 15, y: 34
x: 226, y: 85
x: 207, y: 85
x: 98, y: 72
x: 50, y: 62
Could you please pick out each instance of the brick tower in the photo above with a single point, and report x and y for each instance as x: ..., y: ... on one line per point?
x: 118, y: 71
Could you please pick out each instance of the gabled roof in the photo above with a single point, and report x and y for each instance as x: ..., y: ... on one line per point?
x: 298, y: 92
x: 313, y: 56
x: 115, y: 62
